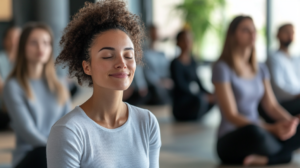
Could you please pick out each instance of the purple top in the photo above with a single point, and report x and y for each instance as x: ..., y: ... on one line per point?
x: 247, y: 93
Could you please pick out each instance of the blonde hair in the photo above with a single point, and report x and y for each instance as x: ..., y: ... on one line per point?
x: 20, y: 71
x: 227, y: 53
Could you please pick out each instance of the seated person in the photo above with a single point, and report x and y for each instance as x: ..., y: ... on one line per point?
x: 190, y: 100
x: 157, y: 74
x: 34, y: 97
x: 285, y: 74
x: 7, y: 59
x: 104, y: 131
x: 240, y: 85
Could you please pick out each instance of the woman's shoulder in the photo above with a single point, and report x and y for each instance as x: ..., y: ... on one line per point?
x: 12, y: 84
x: 220, y: 64
x: 142, y: 115
x: 73, y: 120
x: 263, y: 70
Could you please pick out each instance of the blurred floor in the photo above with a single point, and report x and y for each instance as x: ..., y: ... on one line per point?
x: 184, y: 145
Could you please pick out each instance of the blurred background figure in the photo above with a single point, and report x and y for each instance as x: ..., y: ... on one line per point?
x: 34, y: 97
x: 157, y: 72
x: 285, y: 73
x: 240, y: 85
x: 190, y: 100
x: 7, y: 60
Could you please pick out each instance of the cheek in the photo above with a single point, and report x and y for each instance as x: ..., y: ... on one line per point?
x: 99, y: 67
x: 131, y: 66
x: 47, y: 53
x: 30, y: 52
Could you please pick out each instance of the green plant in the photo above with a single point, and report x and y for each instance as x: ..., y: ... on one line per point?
x: 198, y: 15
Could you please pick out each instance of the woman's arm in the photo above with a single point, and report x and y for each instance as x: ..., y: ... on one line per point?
x: 271, y: 106
x: 227, y: 104
x: 154, y: 142
x: 64, y: 148
x: 23, y: 123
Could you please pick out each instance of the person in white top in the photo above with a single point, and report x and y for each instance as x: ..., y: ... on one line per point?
x: 101, y: 46
x: 285, y: 73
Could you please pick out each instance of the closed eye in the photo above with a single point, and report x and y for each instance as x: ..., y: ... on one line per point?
x: 106, y: 57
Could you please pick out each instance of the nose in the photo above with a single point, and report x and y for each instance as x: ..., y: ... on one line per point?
x: 120, y: 62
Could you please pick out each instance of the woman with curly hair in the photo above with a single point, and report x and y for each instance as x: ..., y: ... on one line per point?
x: 101, y: 46
x: 34, y: 97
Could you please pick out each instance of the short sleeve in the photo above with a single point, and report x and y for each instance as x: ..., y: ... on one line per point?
x: 64, y: 148
x: 221, y: 72
x: 264, y: 71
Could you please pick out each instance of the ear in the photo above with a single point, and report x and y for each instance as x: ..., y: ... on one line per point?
x: 87, y: 67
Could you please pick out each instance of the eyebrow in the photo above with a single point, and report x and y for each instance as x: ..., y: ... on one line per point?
x: 111, y: 48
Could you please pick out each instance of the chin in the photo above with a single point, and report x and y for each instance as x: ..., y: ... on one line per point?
x: 119, y: 86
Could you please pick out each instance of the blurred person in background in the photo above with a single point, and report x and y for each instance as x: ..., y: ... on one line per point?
x: 34, y: 97
x: 240, y: 85
x: 104, y: 131
x: 157, y: 72
x: 285, y: 74
x: 7, y: 60
x: 190, y: 100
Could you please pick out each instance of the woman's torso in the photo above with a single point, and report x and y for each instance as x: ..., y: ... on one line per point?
x: 43, y: 110
x: 126, y: 146
x: 247, y: 93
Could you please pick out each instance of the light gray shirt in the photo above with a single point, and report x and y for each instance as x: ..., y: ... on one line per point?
x: 156, y: 66
x: 31, y: 119
x: 77, y: 141
x: 285, y: 72
x: 5, y: 68
x: 247, y: 93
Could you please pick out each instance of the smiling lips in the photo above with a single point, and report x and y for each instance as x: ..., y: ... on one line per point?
x: 120, y: 75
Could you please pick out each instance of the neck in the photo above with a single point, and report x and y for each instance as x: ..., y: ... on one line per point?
x: 106, y: 106
x: 185, y: 53
x: 184, y: 57
x: 35, y: 71
x: 284, y: 49
x: 243, y: 53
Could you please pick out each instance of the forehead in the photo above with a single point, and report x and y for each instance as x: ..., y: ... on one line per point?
x: 246, y: 22
x: 113, y: 37
x: 38, y: 32
x: 286, y: 28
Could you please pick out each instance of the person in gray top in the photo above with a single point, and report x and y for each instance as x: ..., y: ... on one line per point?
x: 101, y: 45
x: 157, y: 71
x: 7, y: 59
x: 34, y: 97
x: 240, y: 85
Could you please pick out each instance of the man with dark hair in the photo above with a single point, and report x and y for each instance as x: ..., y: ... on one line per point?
x: 285, y: 72
x: 191, y: 101
x: 7, y: 59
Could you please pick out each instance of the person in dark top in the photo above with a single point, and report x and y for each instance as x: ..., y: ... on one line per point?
x: 190, y: 100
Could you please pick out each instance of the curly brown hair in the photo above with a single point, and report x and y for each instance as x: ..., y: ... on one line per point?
x: 90, y: 21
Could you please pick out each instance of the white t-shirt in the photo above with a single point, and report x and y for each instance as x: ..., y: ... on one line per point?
x: 285, y: 75
x: 77, y: 141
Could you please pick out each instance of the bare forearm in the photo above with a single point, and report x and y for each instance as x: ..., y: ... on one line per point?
x: 279, y: 114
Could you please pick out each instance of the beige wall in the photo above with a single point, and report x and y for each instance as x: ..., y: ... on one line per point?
x: 5, y: 10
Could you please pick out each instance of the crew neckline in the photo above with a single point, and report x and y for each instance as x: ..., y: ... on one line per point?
x: 108, y: 129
